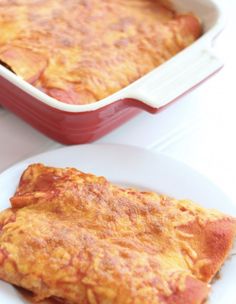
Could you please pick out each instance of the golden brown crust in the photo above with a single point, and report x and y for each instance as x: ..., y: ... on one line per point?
x: 82, y: 51
x: 196, y: 292
x: 213, y: 242
x: 78, y: 237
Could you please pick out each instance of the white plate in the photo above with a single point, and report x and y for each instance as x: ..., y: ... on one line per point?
x: 136, y: 167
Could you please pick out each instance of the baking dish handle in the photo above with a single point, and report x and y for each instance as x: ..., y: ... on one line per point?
x: 173, y: 79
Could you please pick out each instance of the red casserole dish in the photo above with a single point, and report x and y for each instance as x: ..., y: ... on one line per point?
x: 75, y: 124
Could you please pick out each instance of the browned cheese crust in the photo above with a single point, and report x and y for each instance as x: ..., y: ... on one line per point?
x: 82, y: 51
x: 78, y: 237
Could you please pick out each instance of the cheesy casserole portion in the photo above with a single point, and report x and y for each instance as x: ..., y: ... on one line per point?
x: 82, y: 51
x: 79, y: 238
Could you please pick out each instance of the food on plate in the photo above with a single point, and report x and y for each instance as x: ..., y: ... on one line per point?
x: 78, y: 238
x: 82, y: 51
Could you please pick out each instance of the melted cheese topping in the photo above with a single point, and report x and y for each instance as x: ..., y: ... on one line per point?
x: 78, y: 237
x: 82, y: 51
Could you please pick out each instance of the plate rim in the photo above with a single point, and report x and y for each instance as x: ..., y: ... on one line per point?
x: 156, y: 154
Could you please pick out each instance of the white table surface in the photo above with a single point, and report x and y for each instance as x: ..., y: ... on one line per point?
x: 198, y: 129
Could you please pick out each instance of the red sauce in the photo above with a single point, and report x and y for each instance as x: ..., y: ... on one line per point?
x: 45, y: 181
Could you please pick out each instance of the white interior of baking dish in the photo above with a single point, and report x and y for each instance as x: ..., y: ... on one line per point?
x: 166, y: 82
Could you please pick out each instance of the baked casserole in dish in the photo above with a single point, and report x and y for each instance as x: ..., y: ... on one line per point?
x: 83, y: 51
x: 80, y: 239
x: 80, y: 56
